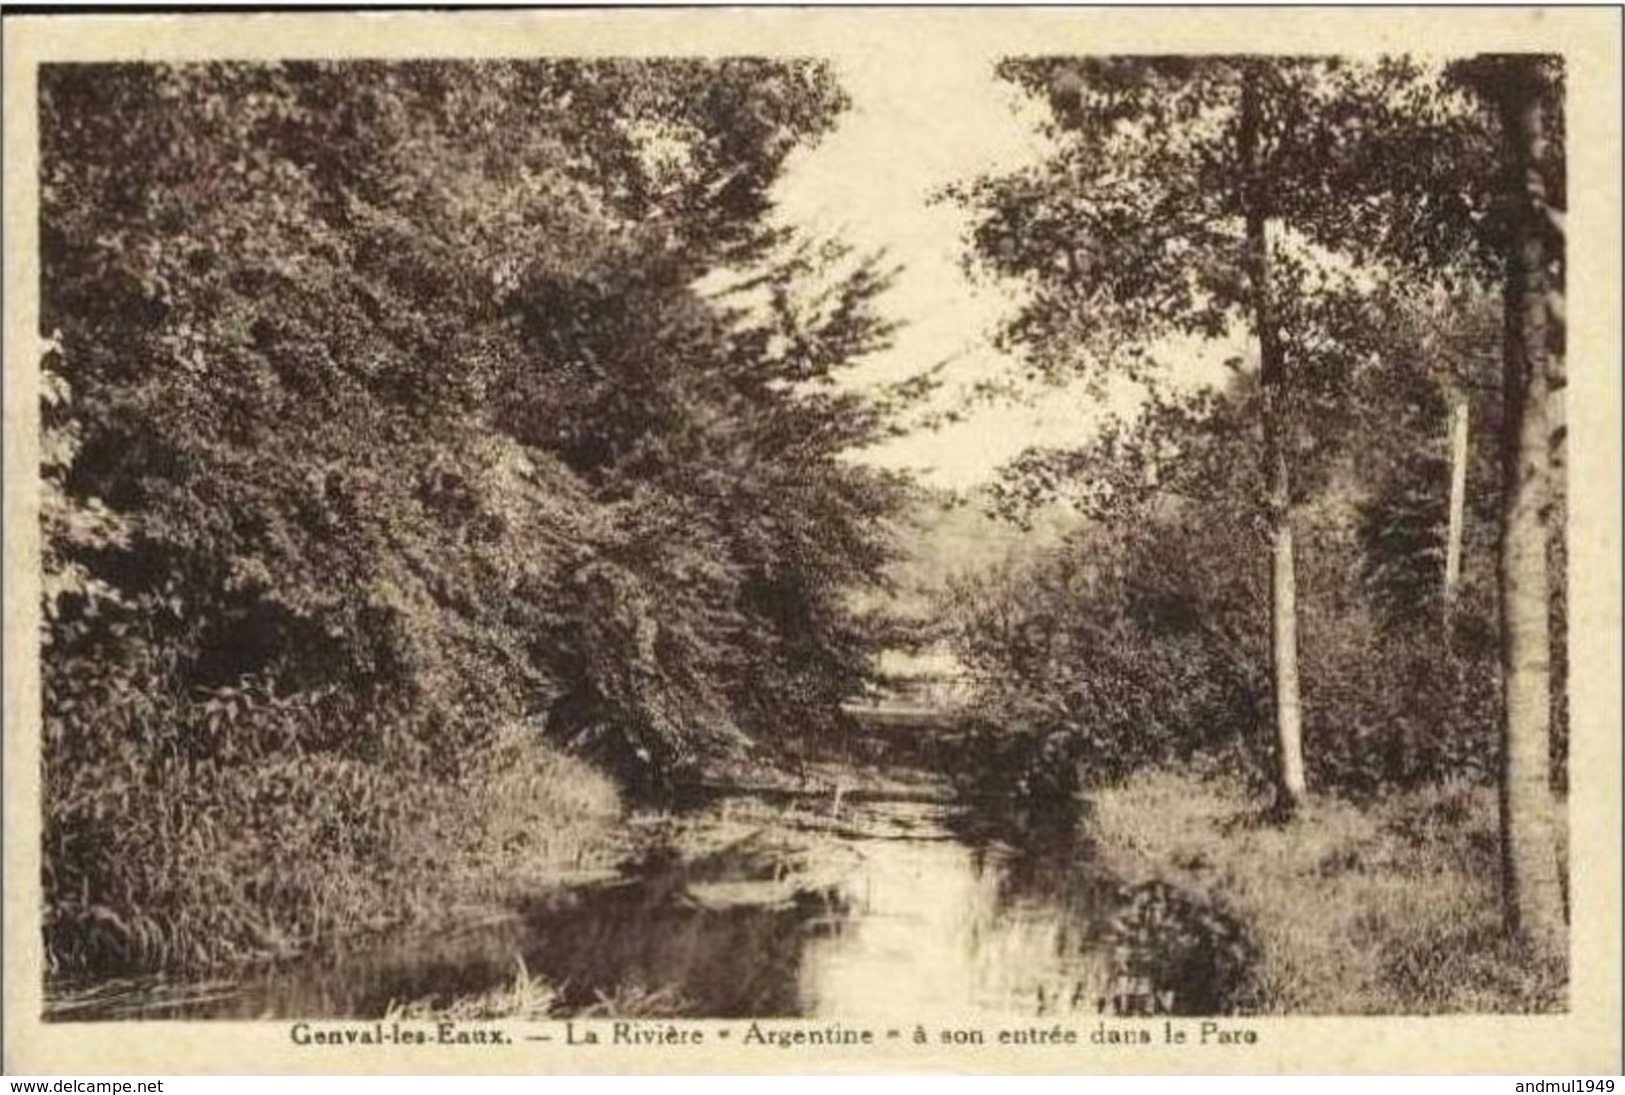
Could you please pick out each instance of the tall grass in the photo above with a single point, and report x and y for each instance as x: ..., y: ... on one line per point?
x: 1389, y: 907
x: 155, y: 860
x: 526, y: 997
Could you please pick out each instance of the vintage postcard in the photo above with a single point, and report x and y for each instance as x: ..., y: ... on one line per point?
x: 794, y: 540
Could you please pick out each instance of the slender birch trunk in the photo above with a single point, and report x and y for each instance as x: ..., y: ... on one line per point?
x: 1291, y: 786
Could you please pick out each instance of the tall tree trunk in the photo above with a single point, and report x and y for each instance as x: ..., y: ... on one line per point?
x: 1531, y: 874
x: 1458, y: 504
x: 1291, y: 786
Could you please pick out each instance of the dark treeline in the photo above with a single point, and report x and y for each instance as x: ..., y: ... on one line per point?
x: 402, y: 423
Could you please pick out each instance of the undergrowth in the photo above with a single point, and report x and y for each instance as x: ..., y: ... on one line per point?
x: 188, y: 864
x: 1389, y: 907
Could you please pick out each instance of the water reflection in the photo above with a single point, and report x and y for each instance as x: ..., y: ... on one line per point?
x: 943, y: 929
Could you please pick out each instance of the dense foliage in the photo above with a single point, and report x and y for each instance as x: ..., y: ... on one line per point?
x: 1349, y: 219
x: 1141, y: 640
x: 390, y: 405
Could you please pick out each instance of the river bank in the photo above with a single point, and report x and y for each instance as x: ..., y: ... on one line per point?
x: 1385, y: 908
x: 241, y: 886
x: 532, y: 828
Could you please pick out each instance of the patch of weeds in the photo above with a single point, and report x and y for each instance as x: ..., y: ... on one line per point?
x: 1168, y: 941
x: 1449, y: 967
x: 631, y: 1000
x: 525, y: 997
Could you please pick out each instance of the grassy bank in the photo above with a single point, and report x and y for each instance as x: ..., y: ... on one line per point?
x: 221, y: 866
x: 1386, y: 908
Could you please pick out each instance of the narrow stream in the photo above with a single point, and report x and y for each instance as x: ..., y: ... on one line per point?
x: 885, y: 912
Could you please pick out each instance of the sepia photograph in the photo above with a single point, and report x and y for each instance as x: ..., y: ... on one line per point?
x: 857, y: 536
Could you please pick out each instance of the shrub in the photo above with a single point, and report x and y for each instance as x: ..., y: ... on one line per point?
x: 1018, y: 780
